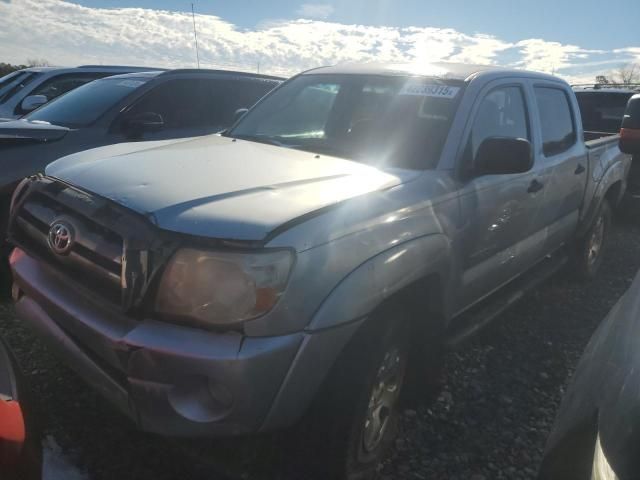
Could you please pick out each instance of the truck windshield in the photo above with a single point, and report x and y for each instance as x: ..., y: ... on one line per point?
x: 85, y: 104
x: 387, y: 121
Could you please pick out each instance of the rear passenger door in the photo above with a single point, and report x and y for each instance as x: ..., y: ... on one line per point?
x: 562, y: 161
x: 500, y: 212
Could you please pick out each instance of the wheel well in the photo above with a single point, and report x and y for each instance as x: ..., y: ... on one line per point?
x: 613, y: 193
x: 423, y: 302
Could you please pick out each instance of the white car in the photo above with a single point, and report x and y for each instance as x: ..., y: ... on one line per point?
x: 25, y: 90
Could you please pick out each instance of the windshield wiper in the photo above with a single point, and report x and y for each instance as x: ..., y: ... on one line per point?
x: 322, y: 149
x: 260, y: 139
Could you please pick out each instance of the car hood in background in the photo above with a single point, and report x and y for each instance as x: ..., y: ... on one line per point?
x: 220, y: 187
x: 604, y: 395
x: 15, y: 131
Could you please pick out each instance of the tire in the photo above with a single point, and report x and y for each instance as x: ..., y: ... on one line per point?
x: 353, y: 421
x: 590, y: 248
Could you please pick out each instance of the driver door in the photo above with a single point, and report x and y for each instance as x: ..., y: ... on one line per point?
x: 499, y: 212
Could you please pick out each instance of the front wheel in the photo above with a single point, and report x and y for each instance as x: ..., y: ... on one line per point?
x: 590, y: 248
x: 354, y: 420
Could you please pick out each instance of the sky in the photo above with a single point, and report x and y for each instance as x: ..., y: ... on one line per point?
x: 574, y: 39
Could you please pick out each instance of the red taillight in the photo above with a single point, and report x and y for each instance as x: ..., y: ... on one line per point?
x: 12, y: 433
x: 632, y: 134
x: 630, y: 141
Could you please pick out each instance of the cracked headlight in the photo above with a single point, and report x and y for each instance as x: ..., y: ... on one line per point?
x: 210, y: 288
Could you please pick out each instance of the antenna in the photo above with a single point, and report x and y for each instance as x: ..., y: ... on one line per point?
x: 195, y: 34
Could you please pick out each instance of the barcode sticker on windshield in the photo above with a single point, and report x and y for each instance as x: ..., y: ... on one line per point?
x: 130, y: 83
x: 422, y: 90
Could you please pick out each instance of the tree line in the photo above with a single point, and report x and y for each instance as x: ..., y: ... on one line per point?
x: 6, y: 68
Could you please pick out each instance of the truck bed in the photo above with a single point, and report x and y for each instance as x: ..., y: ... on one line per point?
x: 593, y: 139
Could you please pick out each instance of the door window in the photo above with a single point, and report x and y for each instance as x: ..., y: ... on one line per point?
x: 16, y: 84
x: 556, y: 120
x: 502, y: 113
x: 182, y: 104
x: 225, y: 96
x: 60, y: 85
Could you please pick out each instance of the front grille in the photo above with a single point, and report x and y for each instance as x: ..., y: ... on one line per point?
x: 95, y: 258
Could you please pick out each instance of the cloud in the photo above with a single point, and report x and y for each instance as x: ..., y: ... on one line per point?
x: 69, y: 34
x: 315, y: 10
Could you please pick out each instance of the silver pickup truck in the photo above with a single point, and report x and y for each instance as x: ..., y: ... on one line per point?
x: 308, y: 266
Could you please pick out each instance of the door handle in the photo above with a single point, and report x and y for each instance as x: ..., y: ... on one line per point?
x: 535, y: 186
x: 579, y: 169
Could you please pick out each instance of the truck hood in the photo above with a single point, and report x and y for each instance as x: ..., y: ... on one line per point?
x: 220, y: 187
x: 19, y: 131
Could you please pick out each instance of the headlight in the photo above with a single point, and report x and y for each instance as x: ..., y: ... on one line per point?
x: 219, y: 288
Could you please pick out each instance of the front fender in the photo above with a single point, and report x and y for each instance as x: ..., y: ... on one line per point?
x: 345, y: 310
x: 380, y: 277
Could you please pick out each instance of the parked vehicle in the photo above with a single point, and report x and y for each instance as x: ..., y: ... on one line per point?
x: 596, y: 434
x: 23, y: 91
x: 602, y: 106
x: 629, y: 136
x: 20, y: 449
x: 139, y: 106
x: 310, y: 264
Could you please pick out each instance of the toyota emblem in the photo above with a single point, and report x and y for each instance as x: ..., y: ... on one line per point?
x: 61, y: 238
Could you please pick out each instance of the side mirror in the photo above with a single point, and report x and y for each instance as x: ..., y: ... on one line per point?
x: 30, y: 103
x: 241, y: 112
x: 630, y: 131
x: 503, y: 156
x: 143, y: 122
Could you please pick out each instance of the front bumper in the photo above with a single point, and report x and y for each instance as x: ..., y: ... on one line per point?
x: 169, y: 379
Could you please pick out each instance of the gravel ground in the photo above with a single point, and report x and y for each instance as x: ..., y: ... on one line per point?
x: 490, y: 422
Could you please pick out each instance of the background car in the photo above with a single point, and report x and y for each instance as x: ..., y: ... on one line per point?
x: 133, y: 107
x: 597, y: 432
x: 23, y: 91
x: 602, y: 106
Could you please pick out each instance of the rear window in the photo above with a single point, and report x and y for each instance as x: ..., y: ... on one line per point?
x: 556, y: 120
x: 602, y: 111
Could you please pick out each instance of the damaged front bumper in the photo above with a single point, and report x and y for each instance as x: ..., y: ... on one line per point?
x: 169, y: 379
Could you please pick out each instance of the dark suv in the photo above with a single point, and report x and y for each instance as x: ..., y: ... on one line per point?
x: 133, y: 107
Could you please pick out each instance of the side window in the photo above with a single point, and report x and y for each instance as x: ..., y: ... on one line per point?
x: 61, y: 84
x: 225, y: 96
x: 556, y: 120
x: 181, y: 103
x: 502, y: 113
x: 305, y: 115
x: 14, y: 86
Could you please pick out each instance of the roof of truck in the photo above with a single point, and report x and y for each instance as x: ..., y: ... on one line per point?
x: 444, y: 70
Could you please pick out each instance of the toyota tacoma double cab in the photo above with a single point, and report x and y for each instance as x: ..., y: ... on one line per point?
x: 307, y: 266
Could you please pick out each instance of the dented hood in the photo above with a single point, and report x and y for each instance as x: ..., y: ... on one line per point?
x: 219, y: 187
